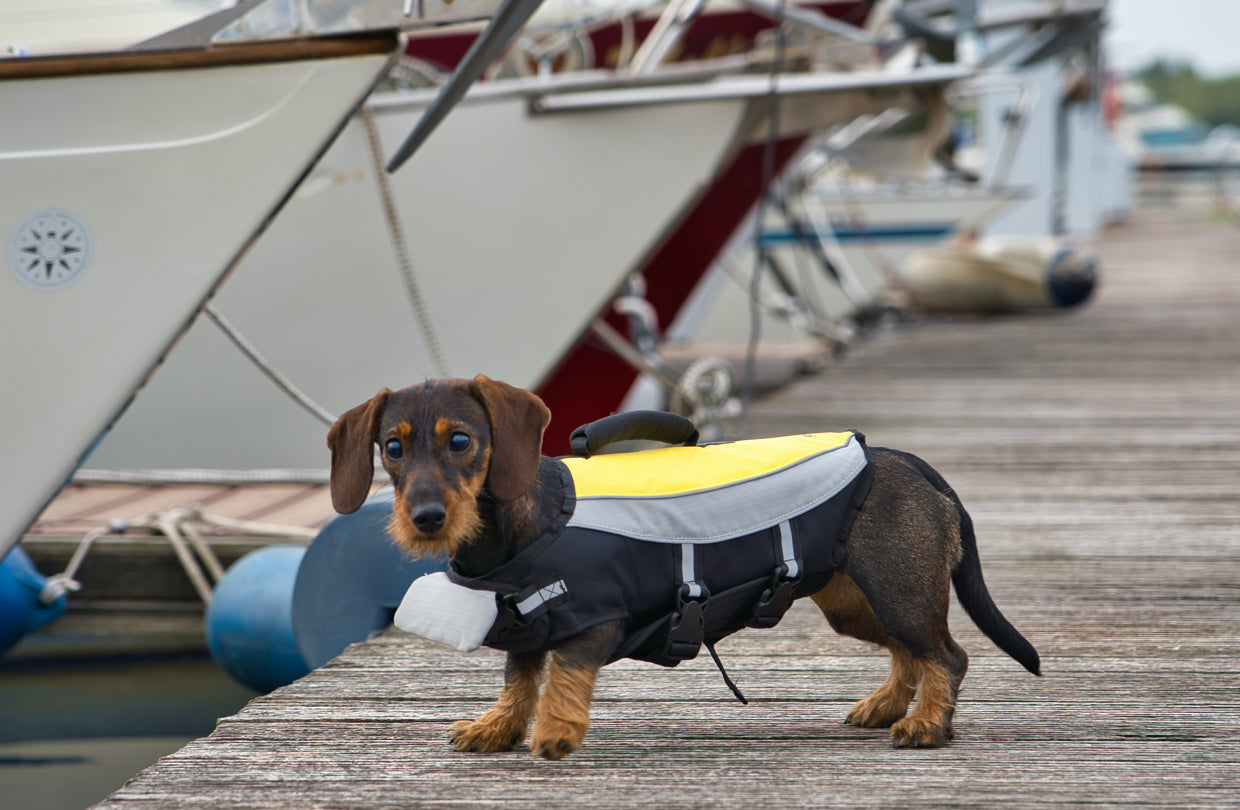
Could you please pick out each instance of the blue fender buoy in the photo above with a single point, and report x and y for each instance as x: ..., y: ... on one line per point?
x: 1070, y: 278
x: 21, y: 610
x: 351, y: 581
x: 249, y: 625
x: 282, y: 611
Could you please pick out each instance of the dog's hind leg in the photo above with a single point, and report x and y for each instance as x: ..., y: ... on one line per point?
x: 929, y: 725
x: 894, y: 590
x: 925, y: 663
x: 925, y: 659
x: 849, y: 613
x: 503, y: 727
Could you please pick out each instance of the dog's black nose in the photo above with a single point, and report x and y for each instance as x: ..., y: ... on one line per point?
x: 429, y: 517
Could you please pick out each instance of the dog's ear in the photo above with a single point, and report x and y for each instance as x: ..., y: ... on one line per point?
x: 518, y: 419
x: 352, y: 441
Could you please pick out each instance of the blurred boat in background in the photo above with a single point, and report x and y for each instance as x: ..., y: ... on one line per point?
x: 118, y: 226
x: 507, y: 238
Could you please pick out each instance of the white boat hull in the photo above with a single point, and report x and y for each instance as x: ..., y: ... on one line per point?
x: 520, y: 227
x: 161, y: 199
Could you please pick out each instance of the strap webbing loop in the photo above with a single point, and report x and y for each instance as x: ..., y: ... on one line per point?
x: 779, y: 595
x: 687, y: 626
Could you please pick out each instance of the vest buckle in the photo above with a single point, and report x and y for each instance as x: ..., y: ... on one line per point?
x: 775, y: 600
x: 507, y: 618
x: 687, y: 626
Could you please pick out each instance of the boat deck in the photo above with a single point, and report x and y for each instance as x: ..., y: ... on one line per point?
x: 1099, y: 454
x: 137, y: 597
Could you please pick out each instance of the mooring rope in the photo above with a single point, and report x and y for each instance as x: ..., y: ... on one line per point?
x: 182, y: 528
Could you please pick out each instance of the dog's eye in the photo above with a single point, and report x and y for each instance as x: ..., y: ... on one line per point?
x: 394, y: 449
x: 458, y: 442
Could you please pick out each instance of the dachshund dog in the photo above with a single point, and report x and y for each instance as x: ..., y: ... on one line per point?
x: 471, y: 483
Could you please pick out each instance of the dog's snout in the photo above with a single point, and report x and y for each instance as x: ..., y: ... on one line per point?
x: 429, y: 517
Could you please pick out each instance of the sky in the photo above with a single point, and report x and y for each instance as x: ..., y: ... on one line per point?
x: 1206, y: 33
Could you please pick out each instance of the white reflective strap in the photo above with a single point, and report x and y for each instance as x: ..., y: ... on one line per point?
x: 541, y: 597
x: 789, y: 550
x: 688, y: 570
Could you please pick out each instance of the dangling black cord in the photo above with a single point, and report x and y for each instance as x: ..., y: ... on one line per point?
x: 768, y: 173
x: 736, y: 691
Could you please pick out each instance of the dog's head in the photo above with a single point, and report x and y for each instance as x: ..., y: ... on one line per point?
x: 444, y: 443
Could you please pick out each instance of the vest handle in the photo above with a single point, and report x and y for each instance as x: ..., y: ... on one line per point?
x: 657, y: 426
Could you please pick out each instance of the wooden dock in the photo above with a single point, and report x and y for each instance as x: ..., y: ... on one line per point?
x: 1099, y: 453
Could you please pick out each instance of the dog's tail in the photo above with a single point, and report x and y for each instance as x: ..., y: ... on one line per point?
x: 971, y: 586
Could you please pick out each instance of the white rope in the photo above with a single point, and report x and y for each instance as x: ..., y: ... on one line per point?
x: 249, y: 350
x: 63, y: 583
x: 182, y: 528
x: 168, y: 523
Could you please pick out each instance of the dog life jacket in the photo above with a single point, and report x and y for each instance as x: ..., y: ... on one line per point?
x: 686, y: 545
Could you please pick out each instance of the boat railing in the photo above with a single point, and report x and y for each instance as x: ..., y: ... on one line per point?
x: 250, y: 20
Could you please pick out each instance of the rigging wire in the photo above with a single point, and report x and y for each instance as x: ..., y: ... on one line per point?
x: 768, y: 172
x: 406, y: 267
x: 284, y: 383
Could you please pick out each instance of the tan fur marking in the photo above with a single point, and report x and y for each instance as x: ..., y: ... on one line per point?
x: 890, y: 701
x: 462, y: 526
x: 463, y: 522
x: 403, y: 430
x: 929, y: 725
x: 563, y: 715
x: 401, y: 527
x: 503, y: 727
x: 848, y: 610
x: 442, y: 427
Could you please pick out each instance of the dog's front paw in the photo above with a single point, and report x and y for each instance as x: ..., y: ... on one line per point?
x: 916, y: 732
x: 556, y: 739
x: 485, y: 735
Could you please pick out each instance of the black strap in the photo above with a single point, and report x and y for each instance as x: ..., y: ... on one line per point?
x: 775, y: 600
x: 735, y: 690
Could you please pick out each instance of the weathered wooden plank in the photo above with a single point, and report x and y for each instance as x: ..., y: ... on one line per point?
x: 1099, y: 455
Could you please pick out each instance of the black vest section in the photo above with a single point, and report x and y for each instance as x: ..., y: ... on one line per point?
x: 584, y: 577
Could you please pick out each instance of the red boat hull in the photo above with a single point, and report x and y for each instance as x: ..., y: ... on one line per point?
x: 591, y: 381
